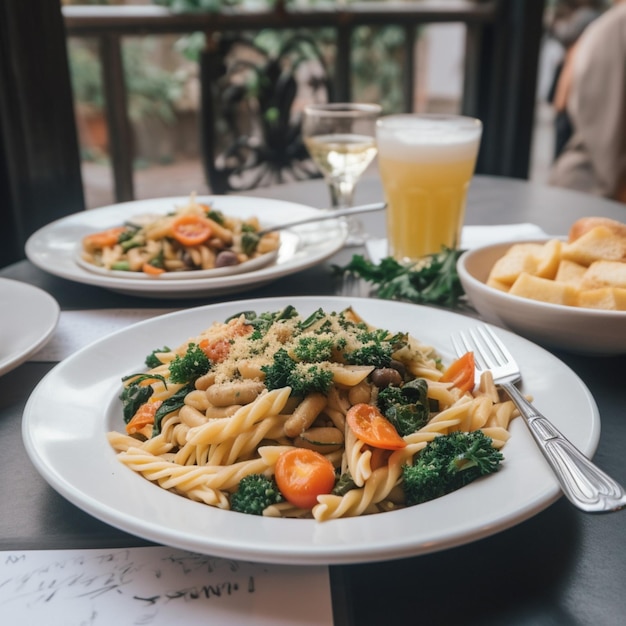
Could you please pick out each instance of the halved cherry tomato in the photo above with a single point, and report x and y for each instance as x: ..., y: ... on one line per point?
x: 373, y: 428
x: 143, y: 416
x: 217, y: 350
x: 461, y: 372
x: 103, y: 239
x: 302, y: 475
x: 152, y: 270
x: 191, y: 230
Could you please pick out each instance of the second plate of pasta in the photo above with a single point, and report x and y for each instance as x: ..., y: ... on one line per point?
x: 119, y: 493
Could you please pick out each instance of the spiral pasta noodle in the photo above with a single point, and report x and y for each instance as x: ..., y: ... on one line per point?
x: 232, y: 401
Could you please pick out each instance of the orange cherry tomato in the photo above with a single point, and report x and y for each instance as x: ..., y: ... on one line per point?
x: 461, y: 372
x: 143, y: 416
x: 191, y: 230
x: 152, y: 270
x: 302, y: 475
x: 217, y: 350
x: 373, y: 428
x: 103, y: 239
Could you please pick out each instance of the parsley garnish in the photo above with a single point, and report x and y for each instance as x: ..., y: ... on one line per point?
x: 433, y: 281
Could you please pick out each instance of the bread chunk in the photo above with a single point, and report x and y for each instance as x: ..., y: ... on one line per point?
x: 570, y: 272
x: 544, y: 290
x: 521, y: 257
x: 605, y: 274
x: 608, y: 298
x: 600, y: 243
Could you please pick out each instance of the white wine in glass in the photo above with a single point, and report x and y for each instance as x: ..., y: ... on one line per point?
x: 340, y: 138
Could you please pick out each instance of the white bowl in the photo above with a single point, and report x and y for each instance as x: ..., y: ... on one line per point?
x: 574, y: 329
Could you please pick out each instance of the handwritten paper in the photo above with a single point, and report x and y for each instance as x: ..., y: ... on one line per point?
x: 157, y: 586
x: 77, y: 329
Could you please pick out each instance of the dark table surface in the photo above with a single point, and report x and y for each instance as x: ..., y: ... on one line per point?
x: 559, y: 567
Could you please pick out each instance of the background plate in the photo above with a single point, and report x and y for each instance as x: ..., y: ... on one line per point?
x: 28, y: 318
x: 81, y: 393
x: 53, y: 247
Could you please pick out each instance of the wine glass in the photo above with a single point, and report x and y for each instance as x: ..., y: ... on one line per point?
x: 341, y: 139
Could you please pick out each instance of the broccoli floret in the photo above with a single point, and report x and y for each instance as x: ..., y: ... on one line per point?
x: 303, y: 378
x: 312, y: 349
x: 249, y: 242
x: 152, y: 360
x: 377, y: 348
x: 261, y: 323
x: 406, y: 407
x: 447, y: 463
x: 188, y: 368
x: 255, y: 493
x: 216, y: 216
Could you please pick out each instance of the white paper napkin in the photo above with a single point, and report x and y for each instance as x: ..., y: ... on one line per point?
x: 471, y: 237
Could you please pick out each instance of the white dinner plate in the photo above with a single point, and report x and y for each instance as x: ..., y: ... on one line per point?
x: 72, y: 453
x: 53, y: 247
x: 28, y: 317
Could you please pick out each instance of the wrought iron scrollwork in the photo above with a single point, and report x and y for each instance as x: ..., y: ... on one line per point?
x: 251, y: 111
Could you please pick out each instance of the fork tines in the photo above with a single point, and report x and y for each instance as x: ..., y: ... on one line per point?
x: 489, y: 352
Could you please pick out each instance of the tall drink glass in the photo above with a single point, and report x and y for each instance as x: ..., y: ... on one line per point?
x: 426, y: 163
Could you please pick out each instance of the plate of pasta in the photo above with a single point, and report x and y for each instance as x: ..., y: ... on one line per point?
x: 184, y: 246
x: 300, y: 431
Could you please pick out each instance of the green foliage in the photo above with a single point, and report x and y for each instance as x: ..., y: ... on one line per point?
x: 406, y: 407
x: 152, y: 360
x: 254, y: 494
x: 195, y: 6
x: 433, y: 281
x: 152, y: 90
x: 344, y: 484
x: 303, y: 378
x: 86, y: 75
x: 262, y: 322
x: 192, y: 365
x: 313, y: 349
x: 173, y: 403
x: 132, y: 397
x: 377, y: 348
x: 448, y: 463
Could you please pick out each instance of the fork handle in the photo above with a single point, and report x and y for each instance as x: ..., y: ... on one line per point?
x: 584, y: 484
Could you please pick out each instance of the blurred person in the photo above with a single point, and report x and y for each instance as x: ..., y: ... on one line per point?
x: 566, y: 25
x: 594, y: 77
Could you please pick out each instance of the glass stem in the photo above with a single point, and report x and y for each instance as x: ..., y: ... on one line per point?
x: 341, y: 194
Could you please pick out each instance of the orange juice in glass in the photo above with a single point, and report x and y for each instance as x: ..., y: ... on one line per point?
x: 426, y: 164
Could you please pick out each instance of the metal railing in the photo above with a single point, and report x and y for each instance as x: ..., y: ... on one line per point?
x: 500, y: 62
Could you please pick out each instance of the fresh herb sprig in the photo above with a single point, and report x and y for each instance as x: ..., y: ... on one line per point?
x: 434, y: 280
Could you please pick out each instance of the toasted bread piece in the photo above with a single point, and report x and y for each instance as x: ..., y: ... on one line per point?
x: 600, y: 243
x: 548, y: 259
x: 570, y: 272
x: 544, y: 289
x: 520, y: 257
x: 497, y: 284
x: 585, y: 224
x: 608, y: 298
x: 605, y: 274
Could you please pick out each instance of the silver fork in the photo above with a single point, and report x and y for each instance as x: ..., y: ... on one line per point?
x: 584, y: 484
